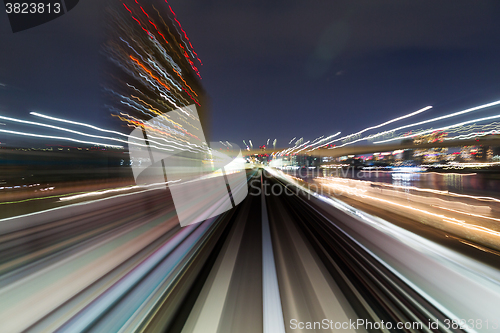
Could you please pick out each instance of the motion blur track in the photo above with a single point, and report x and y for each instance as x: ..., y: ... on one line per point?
x: 125, y: 265
x: 321, y: 274
x: 374, y: 293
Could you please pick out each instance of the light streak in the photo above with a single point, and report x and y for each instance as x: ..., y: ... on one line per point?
x: 465, y: 213
x: 477, y: 246
x: 374, y: 127
x: 185, y: 35
x: 77, y: 123
x: 449, y: 174
x: 154, y: 110
x: 187, y: 85
x: 59, y: 138
x: 109, y: 131
x: 317, y: 139
x: 170, y: 100
x: 79, y: 204
x: 189, y: 60
x: 149, y: 72
x: 122, y: 189
x: 328, y: 138
x: 149, y: 34
x: 472, y: 135
x: 165, y: 74
x: 304, y: 144
x: 413, y: 188
x: 84, y: 134
x: 440, y: 128
x: 173, y: 133
x: 154, y: 25
x: 387, y: 122
x: 445, y: 218
x: 167, y: 57
x: 191, y: 97
x: 457, y: 165
x: 410, y: 125
x: 480, y: 107
x: 475, y: 127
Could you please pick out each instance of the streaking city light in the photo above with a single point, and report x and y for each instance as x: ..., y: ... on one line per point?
x: 59, y: 138
x: 77, y: 132
x: 189, y: 147
x: 439, y: 128
x: 325, y: 139
x: 377, y: 126
x: 480, y: 107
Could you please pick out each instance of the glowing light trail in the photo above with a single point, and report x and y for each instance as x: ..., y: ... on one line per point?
x: 451, y: 220
x: 84, y: 134
x: 185, y: 35
x: 96, y: 193
x: 149, y: 72
x: 480, y: 107
x: 376, y: 126
x: 440, y: 128
x: 328, y: 138
x: 59, y: 138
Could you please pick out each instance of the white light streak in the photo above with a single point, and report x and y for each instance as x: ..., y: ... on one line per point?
x: 59, y: 138
x: 182, y: 147
x: 84, y: 134
x: 442, y: 117
x: 327, y: 138
x: 376, y: 126
x: 440, y: 128
x: 96, y: 193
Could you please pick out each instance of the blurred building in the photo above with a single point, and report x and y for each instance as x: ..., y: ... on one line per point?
x: 430, y: 155
x: 152, y: 68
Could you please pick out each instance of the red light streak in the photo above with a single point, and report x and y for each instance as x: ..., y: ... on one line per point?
x: 176, y: 72
x: 185, y: 35
x: 191, y: 96
x: 154, y: 25
x: 137, y: 20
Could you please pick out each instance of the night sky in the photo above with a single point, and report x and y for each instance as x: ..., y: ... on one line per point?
x: 55, y: 68
x: 278, y: 69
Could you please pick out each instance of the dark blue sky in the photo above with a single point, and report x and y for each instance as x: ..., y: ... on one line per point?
x: 278, y: 69
x: 310, y: 68
x: 54, y: 68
